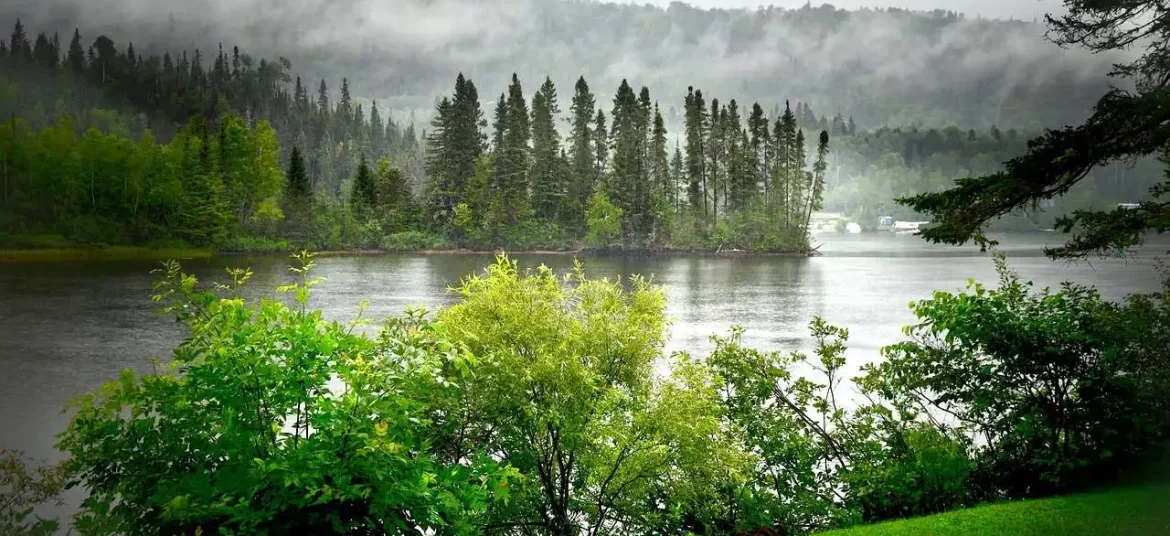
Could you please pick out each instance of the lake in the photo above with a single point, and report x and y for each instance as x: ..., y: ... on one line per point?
x: 67, y: 327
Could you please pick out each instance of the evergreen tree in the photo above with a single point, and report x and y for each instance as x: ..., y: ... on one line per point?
x: 583, y: 159
x: 817, y: 191
x: 696, y: 120
x: 784, y: 136
x: 323, y: 99
x: 377, y: 132
x: 715, y: 160
x: 18, y: 45
x: 364, y: 198
x: 601, y: 146
x: 660, y: 177
x: 548, y: 183
x: 677, y: 177
x: 626, y: 137
x: 514, y: 167
x: 298, y: 190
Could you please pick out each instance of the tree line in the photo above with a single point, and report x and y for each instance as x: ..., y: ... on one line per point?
x: 738, y: 185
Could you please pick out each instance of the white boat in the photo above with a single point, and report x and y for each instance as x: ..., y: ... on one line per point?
x: 908, y: 227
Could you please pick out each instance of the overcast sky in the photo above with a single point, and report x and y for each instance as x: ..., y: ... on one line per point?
x: 1019, y: 9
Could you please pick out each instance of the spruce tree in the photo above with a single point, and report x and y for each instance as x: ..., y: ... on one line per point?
x: 715, y: 161
x: 677, y: 177
x: 548, y: 188
x: 515, y: 157
x: 660, y: 167
x: 601, y: 149
x: 626, y: 137
x: 18, y: 45
x: 364, y: 198
x: 696, y: 119
x: 817, y: 189
x: 583, y: 158
x: 298, y: 189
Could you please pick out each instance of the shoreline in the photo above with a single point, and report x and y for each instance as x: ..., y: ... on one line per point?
x: 143, y: 253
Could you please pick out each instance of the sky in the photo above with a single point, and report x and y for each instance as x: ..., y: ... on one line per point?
x: 1018, y: 9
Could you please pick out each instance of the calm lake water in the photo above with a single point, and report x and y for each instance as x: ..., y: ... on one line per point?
x: 65, y: 328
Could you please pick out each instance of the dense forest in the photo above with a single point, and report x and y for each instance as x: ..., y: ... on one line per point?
x: 217, y: 178
x: 885, y: 67
x: 161, y: 149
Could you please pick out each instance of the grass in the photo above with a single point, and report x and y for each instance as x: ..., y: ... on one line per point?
x: 1122, y: 512
x: 106, y: 253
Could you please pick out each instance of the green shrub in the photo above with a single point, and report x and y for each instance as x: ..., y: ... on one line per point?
x: 603, y: 221
x: 415, y: 240
x: 271, y: 420
x: 254, y: 244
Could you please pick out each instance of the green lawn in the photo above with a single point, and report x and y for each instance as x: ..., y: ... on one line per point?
x: 1127, y: 511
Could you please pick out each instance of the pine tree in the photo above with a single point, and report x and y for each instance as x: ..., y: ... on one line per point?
x: 817, y: 190
x: 364, y: 198
x: 626, y: 136
x: 548, y: 188
x: 715, y: 151
x: 677, y: 177
x: 601, y: 146
x: 298, y: 190
x: 515, y: 157
x: 801, y: 182
x: 733, y: 191
x: 453, y: 147
x: 660, y: 167
x: 377, y: 133
x: 323, y: 99
x: 696, y: 120
x: 18, y: 45
x: 583, y: 159
x: 784, y: 136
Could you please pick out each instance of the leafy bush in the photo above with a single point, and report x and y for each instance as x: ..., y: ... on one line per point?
x: 1060, y: 387
x: 603, y: 221
x: 34, y: 241
x: 414, y: 240
x: 254, y: 244
x: 22, y: 490
x: 271, y: 420
x: 566, y: 393
x: 916, y: 470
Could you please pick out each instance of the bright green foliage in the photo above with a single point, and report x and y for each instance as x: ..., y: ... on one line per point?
x: 22, y: 490
x: 271, y: 420
x: 1055, y: 385
x: 603, y: 221
x: 565, y: 393
x: 793, y: 424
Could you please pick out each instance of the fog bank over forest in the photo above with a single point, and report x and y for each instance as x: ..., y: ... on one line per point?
x: 882, y: 67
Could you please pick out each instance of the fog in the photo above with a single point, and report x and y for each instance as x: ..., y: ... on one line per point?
x: 882, y: 67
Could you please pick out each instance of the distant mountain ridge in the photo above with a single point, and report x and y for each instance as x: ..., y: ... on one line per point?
x: 882, y: 67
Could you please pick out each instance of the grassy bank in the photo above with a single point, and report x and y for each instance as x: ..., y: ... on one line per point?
x: 1122, y: 512
x: 106, y: 253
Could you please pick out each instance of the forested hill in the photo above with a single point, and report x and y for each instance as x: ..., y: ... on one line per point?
x: 883, y: 67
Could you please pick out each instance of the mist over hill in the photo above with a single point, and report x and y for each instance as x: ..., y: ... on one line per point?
x: 883, y: 67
